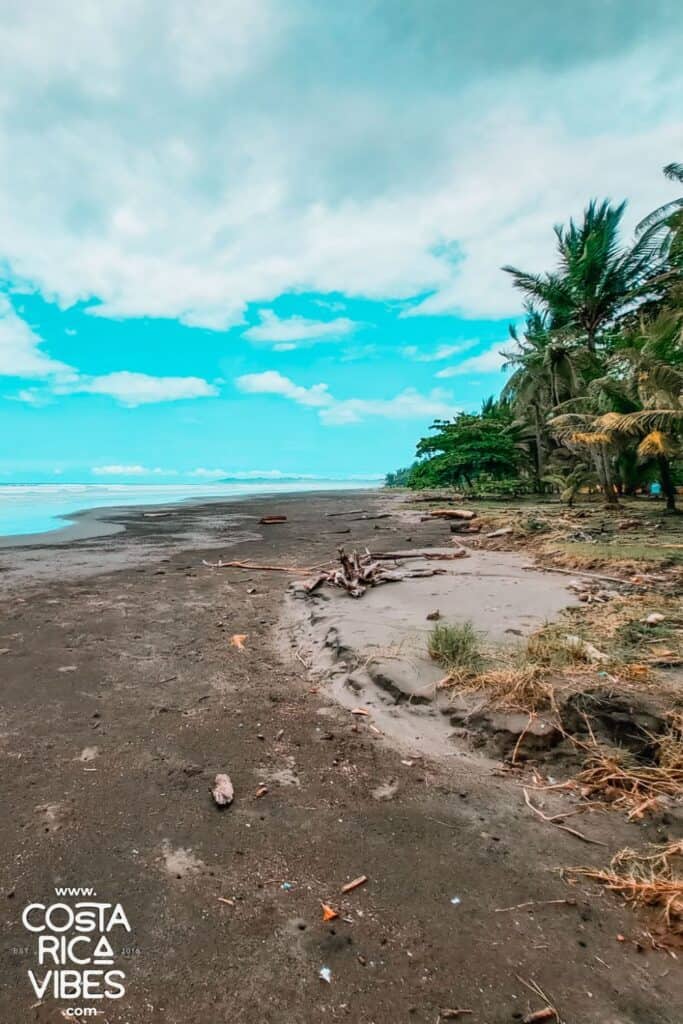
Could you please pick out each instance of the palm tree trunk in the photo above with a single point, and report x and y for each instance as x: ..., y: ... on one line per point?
x: 605, y: 475
x: 667, y: 483
x: 540, y: 455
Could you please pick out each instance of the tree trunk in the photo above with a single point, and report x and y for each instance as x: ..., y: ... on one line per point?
x: 540, y: 459
x: 605, y: 475
x: 667, y: 483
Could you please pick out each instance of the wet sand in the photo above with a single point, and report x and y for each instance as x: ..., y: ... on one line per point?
x: 122, y: 697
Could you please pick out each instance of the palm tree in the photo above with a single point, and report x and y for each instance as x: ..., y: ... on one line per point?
x: 653, y: 357
x: 549, y: 369
x: 596, y: 279
x: 660, y: 218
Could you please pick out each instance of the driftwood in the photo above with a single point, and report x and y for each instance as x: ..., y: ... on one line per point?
x: 255, y: 565
x: 351, y: 512
x: 428, y: 553
x: 579, y: 572
x: 377, y: 515
x: 356, y: 572
x: 463, y: 526
x: 450, y: 513
x: 504, y: 531
x: 272, y: 520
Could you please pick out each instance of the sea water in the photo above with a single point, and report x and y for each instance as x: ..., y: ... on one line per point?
x: 37, y: 508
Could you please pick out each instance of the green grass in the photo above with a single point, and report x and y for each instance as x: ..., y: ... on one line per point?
x: 456, y: 647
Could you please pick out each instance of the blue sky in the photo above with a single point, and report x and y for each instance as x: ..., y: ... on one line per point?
x: 264, y: 236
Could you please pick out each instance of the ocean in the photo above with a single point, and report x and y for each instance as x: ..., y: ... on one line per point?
x: 38, y: 508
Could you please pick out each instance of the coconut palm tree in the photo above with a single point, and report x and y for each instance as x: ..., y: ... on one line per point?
x: 596, y: 278
x: 653, y: 358
x: 660, y: 219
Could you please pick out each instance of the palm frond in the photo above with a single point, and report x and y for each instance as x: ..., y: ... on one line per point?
x: 655, y: 444
x: 666, y: 420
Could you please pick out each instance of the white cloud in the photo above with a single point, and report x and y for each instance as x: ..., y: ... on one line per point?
x: 409, y: 404
x: 192, y: 187
x: 440, y: 352
x: 287, y: 331
x: 271, y: 382
x: 490, y: 361
x: 20, y: 351
x: 140, y: 388
x: 134, y: 470
x: 21, y: 356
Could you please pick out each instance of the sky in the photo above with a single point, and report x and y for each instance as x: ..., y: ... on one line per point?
x: 265, y: 236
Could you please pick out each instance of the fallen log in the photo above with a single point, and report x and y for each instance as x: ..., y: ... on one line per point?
x: 450, y: 513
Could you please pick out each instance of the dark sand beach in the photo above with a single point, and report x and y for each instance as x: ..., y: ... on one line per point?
x: 122, y: 697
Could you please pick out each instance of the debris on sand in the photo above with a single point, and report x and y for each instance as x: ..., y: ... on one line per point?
x: 272, y: 520
x: 504, y: 531
x: 329, y: 913
x: 356, y: 572
x: 587, y: 650
x: 553, y: 820
x: 223, y: 791
x: 350, y: 886
x: 325, y: 974
x: 546, y: 1014
x: 653, y: 879
x: 616, y: 777
x: 350, y: 512
x: 237, y: 640
x: 450, y: 513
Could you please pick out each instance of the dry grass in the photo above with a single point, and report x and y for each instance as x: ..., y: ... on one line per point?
x: 653, y: 879
x: 670, y: 745
x: 522, y: 688
x: 617, y: 777
x: 549, y: 648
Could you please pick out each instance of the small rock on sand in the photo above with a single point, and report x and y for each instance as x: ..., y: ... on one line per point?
x: 223, y: 791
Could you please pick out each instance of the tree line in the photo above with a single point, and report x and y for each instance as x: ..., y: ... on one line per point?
x: 595, y: 394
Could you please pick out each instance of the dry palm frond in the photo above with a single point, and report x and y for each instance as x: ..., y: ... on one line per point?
x: 654, y: 879
x: 649, y: 419
x: 655, y: 443
x: 608, y: 421
x: 592, y: 438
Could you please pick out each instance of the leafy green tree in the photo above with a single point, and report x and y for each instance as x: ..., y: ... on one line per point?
x: 469, y: 446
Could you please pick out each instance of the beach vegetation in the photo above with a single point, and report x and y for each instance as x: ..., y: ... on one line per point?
x: 594, y: 396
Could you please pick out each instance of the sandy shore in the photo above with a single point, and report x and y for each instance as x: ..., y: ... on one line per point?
x: 122, y: 697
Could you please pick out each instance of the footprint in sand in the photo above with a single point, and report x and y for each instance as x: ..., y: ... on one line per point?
x: 54, y: 817
x: 180, y: 862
